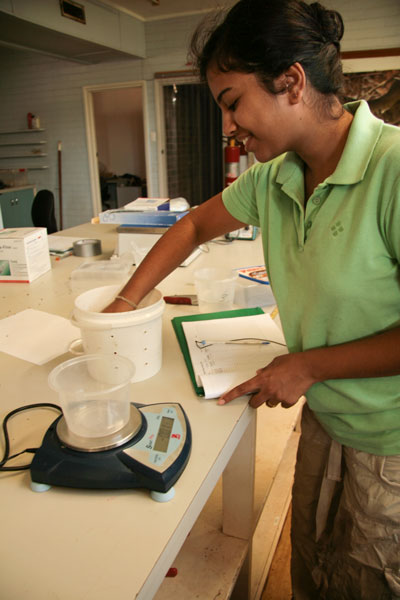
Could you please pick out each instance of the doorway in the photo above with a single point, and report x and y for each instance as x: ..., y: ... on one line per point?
x: 191, y: 142
x: 117, y: 149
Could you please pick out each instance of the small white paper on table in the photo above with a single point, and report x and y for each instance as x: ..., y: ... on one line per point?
x: 36, y: 336
x: 61, y: 243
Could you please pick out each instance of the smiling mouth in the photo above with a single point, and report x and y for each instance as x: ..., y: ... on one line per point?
x: 245, y: 141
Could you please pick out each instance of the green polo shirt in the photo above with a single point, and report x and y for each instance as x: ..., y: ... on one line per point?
x: 334, y: 267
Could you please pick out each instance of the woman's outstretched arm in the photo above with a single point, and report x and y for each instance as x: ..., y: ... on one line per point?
x: 209, y: 220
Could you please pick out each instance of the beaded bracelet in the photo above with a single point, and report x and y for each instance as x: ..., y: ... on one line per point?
x: 130, y: 302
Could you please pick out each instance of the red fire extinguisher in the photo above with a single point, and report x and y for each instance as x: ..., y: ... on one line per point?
x: 232, y: 160
x: 244, y: 159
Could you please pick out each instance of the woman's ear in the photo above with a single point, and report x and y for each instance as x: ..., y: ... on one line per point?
x: 295, y: 78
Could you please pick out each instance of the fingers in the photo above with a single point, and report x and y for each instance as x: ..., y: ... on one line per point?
x: 286, y: 405
x: 272, y: 404
x: 271, y: 385
x: 247, y: 387
x: 256, y: 399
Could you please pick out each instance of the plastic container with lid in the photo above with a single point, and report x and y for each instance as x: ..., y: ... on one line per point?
x: 98, y: 273
x: 249, y: 294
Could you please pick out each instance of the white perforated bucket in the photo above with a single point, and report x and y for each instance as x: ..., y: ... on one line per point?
x: 136, y: 334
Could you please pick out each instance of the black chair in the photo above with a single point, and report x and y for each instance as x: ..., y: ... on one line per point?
x: 43, y: 214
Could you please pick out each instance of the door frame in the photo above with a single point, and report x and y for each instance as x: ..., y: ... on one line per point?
x: 88, y: 92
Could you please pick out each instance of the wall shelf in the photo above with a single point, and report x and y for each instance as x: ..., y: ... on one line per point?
x: 21, y: 131
x: 39, y: 143
x: 37, y: 155
x: 19, y: 168
x: 16, y: 151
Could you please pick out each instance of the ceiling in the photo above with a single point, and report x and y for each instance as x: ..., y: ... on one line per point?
x: 148, y: 10
x: 23, y: 35
x: 19, y: 34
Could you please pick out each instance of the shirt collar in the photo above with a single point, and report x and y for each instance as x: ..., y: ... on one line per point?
x: 364, y: 133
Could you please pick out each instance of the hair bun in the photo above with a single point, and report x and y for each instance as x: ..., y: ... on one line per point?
x: 330, y: 23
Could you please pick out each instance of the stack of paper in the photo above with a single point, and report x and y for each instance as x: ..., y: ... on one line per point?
x: 148, y: 204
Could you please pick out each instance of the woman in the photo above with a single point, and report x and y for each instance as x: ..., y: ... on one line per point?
x: 326, y: 194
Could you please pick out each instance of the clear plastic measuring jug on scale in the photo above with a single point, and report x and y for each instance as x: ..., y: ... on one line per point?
x: 94, y: 393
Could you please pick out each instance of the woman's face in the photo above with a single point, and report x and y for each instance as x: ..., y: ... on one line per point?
x: 251, y: 114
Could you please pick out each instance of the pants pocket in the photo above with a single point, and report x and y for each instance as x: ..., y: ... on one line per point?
x: 393, y: 581
x: 389, y: 471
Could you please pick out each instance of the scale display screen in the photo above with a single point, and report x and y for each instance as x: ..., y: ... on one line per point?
x: 164, y: 433
x: 164, y: 438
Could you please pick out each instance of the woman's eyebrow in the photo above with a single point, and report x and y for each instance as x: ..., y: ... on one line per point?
x: 219, y: 97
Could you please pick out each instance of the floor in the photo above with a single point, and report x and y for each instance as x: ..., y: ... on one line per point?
x: 278, y: 585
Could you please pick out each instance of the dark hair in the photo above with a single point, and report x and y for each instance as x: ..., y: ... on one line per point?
x: 266, y: 37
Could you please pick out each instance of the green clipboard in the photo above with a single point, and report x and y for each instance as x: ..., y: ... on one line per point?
x: 180, y: 334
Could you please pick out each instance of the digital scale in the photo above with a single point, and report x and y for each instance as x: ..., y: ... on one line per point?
x: 150, y: 452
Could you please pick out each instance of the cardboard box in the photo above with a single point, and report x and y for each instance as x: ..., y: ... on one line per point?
x: 24, y: 254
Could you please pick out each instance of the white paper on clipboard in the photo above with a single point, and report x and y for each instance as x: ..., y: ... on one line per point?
x: 219, y: 367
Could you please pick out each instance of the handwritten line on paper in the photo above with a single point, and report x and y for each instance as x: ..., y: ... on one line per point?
x: 221, y: 366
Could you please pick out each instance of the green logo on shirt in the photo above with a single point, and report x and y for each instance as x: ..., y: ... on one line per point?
x: 337, y: 228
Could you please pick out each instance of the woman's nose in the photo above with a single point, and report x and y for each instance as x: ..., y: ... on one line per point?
x: 228, y: 125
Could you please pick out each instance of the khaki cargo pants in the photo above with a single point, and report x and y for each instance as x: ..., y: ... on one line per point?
x: 345, y: 520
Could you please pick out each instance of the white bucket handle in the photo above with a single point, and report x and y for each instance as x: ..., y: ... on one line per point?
x: 72, y: 347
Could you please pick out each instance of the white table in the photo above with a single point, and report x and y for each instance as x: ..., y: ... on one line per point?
x: 96, y: 545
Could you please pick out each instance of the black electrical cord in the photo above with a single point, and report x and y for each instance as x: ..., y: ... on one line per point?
x: 7, y: 456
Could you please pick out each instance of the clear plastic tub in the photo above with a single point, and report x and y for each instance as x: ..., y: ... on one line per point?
x: 215, y: 288
x: 94, y: 393
x: 98, y: 273
x: 249, y: 294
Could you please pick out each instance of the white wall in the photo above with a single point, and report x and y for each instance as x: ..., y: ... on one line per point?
x: 368, y: 23
x: 52, y: 89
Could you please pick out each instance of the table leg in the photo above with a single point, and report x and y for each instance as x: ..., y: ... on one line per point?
x: 238, y: 499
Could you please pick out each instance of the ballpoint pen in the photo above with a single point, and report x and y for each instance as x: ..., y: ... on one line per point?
x: 240, y: 341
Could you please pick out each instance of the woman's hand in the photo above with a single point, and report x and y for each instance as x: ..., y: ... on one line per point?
x: 283, y: 381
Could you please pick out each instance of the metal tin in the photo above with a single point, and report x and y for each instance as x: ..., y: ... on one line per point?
x: 87, y: 247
